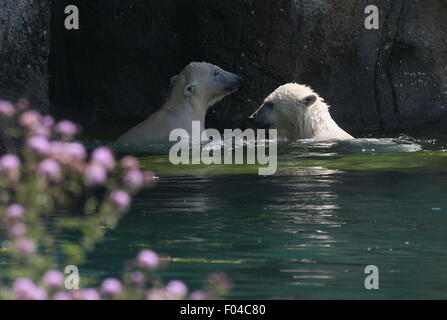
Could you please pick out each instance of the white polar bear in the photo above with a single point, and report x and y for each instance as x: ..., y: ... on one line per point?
x: 199, y: 86
x: 297, y: 112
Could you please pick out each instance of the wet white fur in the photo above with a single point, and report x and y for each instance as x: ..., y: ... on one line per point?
x: 296, y: 121
x: 179, y: 111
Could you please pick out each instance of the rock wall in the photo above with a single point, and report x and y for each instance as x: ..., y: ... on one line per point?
x: 24, y: 50
x: 121, y: 61
x: 118, y: 65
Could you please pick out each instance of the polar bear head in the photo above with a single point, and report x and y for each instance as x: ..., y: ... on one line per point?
x: 297, y: 112
x: 204, y: 84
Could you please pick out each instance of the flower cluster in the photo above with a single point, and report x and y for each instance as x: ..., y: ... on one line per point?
x: 54, y: 172
x: 133, y: 286
x: 85, y: 192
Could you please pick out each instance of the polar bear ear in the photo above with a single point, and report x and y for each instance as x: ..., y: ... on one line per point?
x: 309, y: 100
x: 171, y: 86
x: 173, y: 80
x: 190, y: 88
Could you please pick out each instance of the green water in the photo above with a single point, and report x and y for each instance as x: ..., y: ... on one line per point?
x: 307, y: 232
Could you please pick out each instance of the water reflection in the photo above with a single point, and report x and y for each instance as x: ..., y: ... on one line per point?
x: 304, y: 233
x: 307, y: 232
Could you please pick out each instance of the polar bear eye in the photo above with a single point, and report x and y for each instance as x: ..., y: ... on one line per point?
x: 216, y: 73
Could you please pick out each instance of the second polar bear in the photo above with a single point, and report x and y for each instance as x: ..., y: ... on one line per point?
x: 199, y: 86
x: 297, y: 112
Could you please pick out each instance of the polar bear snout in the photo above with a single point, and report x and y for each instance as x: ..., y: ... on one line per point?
x: 232, y: 82
x: 260, y: 119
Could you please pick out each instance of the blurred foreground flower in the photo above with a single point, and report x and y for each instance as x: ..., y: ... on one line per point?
x: 53, y: 176
x: 148, y: 259
x: 9, y: 163
x: 54, y: 279
x: 6, y: 109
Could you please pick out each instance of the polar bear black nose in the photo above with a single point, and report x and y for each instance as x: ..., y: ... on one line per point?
x: 234, y: 83
x: 238, y: 81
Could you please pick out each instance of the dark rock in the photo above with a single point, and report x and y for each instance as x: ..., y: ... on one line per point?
x: 392, y: 77
x: 24, y: 49
x: 117, y: 67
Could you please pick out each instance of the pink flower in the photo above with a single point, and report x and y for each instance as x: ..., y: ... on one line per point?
x: 133, y: 178
x: 176, y: 290
x: 40, y: 130
x: 30, y: 119
x: 38, y: 294
x: 76, y: 151
x: 67, y: 152
x: 44, y: 127
x: 111, y: 287
x: 25, y: 289
x: 155, y: 295
x: 95, y: 175
x: 17, y: 230
x: 130, y: 162
x: 54, y: 279
x: 39, y: 145
x: 120, y: 198
x: 47, y: 121
x: 57, y: 149
x: 199, y: 295
x: 137, y: 277
x: 62, y: 296
x: 66, y: 128
x: 9, y: 162
x: 49, y: 168
x: 25, y: 246
x: 15, y: 211
x: 104, y: 157
x: 148, y: 259
x: 6, y: 109
x: 22, y: 287
x: 86, y: 294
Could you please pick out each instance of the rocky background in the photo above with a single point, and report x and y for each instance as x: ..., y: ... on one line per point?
x: 116, y: 68
x: 24, y: 52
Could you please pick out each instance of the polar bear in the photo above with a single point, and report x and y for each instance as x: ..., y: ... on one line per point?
x: 198, y: 87
x: 297, y: 112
